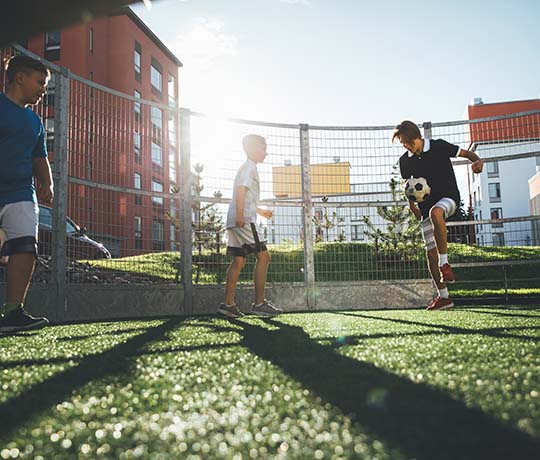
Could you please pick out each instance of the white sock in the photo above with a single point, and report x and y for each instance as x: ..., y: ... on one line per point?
x: 444, y: 293
x: 443, y: 259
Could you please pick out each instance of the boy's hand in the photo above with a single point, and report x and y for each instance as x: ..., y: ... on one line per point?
x: 266, y: 213
x: 45, y: 194
x: 417, y: 213
x: 477, y: 166
x: 240, y: 221
x: 415, y: 210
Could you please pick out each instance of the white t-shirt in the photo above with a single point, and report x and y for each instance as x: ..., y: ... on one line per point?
x: 247, y: 176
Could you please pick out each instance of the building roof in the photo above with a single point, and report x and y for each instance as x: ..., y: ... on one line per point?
x: 139, y: 22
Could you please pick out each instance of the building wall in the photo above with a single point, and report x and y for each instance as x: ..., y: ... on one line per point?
x: 527, y: 127
x: 497, y: 138
x: 512, y: 178
x: 534, y: 205
x: 102, y: 147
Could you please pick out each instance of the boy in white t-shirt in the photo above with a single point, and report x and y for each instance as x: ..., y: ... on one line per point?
x: 242, y: 232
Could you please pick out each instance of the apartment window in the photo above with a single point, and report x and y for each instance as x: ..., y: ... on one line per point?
x: 357, y: 232
x: 137, y: 147
x: 356, y: 214
x: 156, y: 79
x: 474, y: 197
x: 138, y: 227
x: 494, y: 192
x: 172, y: 129
x: 496, y: 213
x: 137, y: 184
x: 157, y: 155
x: 137, y: 106
x: 157, y: 187
x: 137, y: 61
x: 49, y: 133
x: 49, y: 95
x: 137, y: 181
x: 493, y: 169
x: 172, y: 165
x: 171, y: 90
x: 157, y: 235
x: 91, y: 39
x: 498, y: 239
x: 52, y: 46
x: 157, y: 122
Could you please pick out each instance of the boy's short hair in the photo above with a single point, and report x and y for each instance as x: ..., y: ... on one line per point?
x: 250, y: 140
x: 406, y: 131
x: 26, y: 64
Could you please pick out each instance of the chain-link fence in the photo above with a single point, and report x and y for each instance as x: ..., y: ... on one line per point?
x: 142, y: 191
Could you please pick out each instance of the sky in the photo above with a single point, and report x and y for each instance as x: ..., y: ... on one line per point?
x: 349, y: 62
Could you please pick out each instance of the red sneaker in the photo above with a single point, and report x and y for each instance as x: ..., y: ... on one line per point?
x: 447, y: 275
x: 441, y: 303
x: 430, y: 305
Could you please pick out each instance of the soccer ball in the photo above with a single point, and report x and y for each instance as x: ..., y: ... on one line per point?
x: 417, y: 189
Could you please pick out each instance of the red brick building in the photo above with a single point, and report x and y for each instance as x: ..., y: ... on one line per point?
x: 526, y: 127
x: 114, y: 141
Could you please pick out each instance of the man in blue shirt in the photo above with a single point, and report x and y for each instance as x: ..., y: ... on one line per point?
x: 23, y: 156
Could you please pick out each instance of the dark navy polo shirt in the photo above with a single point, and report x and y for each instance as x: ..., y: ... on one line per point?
x: 435, y: 166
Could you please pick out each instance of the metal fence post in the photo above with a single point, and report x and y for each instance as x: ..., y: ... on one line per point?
x: 427, y: 129
x: 307, y: 217
x: 60, y: 178
x: 186, y: 240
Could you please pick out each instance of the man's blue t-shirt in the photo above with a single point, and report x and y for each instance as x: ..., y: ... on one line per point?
x: 22, y: 138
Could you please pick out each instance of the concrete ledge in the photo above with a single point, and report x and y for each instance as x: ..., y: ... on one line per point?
x: 90, y: 302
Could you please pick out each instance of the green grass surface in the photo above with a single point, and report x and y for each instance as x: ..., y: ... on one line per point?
x: 461, y: 384
x: 333, y: 262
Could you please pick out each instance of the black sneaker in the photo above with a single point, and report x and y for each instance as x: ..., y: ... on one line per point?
x: 18, y: 320
x: 231, y: 311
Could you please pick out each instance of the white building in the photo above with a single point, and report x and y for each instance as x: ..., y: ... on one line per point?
x: 286, y: 224
x: 502, y: 190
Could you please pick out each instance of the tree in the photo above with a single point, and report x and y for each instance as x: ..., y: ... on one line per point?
x: 207, y: 223
x: 402, y: 235
x: 324, y: 223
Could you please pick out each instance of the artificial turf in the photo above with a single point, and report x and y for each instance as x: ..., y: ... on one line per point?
x: 386, y: 384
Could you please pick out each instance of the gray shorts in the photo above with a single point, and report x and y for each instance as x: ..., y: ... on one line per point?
x: 244, y: 241
x: 19, y: 224
x: 448, y: 205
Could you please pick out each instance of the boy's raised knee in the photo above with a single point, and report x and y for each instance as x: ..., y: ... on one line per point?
x: 436, y: 213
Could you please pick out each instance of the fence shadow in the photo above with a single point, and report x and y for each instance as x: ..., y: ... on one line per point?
x: 116, y: 361
x: 421, y: 421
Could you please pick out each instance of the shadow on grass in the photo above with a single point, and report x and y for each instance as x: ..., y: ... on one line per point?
x: 421, y: 421
x: 494, y: 332
x: 41, y: 396
x: 512, y: 313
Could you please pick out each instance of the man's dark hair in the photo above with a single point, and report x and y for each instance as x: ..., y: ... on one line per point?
x: 406, y: 131
x: 26, y: 64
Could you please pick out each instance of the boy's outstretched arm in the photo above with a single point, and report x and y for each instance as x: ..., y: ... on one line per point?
x: 266, y: 213
x: 477, y: 162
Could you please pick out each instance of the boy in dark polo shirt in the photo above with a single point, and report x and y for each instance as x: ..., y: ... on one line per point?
x: 431, y: 159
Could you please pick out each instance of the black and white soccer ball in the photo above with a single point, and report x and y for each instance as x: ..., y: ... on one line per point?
x: 417, y: 189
